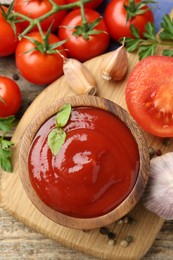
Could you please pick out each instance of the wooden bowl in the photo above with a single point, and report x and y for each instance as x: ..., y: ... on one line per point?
x: 129, y: 202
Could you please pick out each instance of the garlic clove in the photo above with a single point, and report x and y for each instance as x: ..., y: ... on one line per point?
x: 79, y: 77
x: 158, y: 196
x: 115, y: 65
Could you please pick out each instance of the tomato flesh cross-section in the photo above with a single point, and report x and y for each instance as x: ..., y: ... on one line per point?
x: 149, y: 95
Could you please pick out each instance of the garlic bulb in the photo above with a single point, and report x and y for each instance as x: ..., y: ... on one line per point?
x: 114, y: 66
x: 158, y: 196
x: 78, y: 77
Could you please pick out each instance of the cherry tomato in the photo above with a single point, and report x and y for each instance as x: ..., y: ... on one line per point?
x: 115, y: 18
x: 10, y: 97
x: 8, y: 38
x: 78, y: 47
x: 37, y: 8
x: 149, y: 95
x: 92, y: 4
x: 35, y: 66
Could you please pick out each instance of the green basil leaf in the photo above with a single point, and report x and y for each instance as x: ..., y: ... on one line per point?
x: 63, y: 115
x: 56, y: 138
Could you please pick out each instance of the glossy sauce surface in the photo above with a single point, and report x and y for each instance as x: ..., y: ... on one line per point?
x: 95, y: 169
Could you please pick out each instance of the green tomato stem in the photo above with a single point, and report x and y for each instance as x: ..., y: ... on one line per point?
x: 55, y: 8
x: 84, y: 20
x: 44, y: 38
x: 157, y: 42
x: 166, y: 44
x: 132, y: 5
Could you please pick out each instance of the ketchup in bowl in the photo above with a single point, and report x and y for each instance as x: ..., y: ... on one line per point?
x: 95, y: 169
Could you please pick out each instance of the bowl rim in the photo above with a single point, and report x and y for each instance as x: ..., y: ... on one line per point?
x: 142, y: 178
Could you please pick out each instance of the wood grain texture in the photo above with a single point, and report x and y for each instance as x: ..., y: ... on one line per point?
x: 19, y: 242
x: 15, y: 200
x: 30, y: 245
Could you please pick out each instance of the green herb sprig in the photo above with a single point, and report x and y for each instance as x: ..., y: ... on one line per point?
x: 57, y: 136
x: 5, y: 145
x: 147, y: 46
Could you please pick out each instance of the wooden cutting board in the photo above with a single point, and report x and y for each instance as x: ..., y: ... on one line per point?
x: 14, y: 199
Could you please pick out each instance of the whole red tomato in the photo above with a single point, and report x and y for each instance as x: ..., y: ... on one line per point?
x: 115, y: 17
x: 37, y: 8
x: 78, y: 47
x: 8, y: 38
x: 39, y: 67
x: 10, y: 97
x: 149, y: 95
x: 92, y: 4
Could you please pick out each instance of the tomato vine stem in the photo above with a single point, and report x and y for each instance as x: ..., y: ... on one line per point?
x: 55, y: 8
x: 84, y: 21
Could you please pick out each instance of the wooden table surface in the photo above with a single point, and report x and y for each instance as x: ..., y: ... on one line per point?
x: 19, y: 242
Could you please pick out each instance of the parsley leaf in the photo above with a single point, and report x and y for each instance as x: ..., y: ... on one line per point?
x: 147, y: 46
x: 167, y: 26
x: 5, y: 145
x: 150, y: 32
x: 132, y: 44
x: 167, y: 53
x: 146, y: 50
x: 5, y: 155
x: 7, y: 123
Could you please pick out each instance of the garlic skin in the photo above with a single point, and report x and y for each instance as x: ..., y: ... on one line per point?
x: 78, y: 77
x: 158, y: 196
x: 115, y: 65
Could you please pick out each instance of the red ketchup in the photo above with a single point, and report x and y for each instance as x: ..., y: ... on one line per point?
x: 95, y: 169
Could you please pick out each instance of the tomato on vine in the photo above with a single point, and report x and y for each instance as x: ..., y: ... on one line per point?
x: 10, y: 97
x: 121, y: 14
x: 37, y: 8
x: 9, y: 31
x: 38, y: 57
x: 87, y: 39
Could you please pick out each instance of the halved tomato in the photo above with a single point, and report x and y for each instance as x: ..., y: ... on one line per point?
x: 149, y: 95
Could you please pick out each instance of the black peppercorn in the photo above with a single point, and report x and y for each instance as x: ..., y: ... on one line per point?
x: 104, y: 230
x: 15, y: 76
x: 111, y: 235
